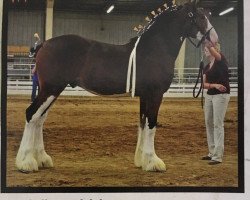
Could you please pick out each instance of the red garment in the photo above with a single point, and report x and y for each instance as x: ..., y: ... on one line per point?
x: 218, y: 74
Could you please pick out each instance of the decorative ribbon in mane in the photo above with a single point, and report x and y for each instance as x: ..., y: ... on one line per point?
x: 132, y: 68
x: 132, y: 58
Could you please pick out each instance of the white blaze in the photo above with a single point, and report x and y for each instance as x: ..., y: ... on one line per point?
x: 213, y: 35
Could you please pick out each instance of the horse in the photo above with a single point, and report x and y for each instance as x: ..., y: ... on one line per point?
x: 102, y: 69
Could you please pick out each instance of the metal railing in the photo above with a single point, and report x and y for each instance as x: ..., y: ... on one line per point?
x: 19, y: 78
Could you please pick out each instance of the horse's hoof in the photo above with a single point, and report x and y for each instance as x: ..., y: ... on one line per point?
x: 26, y: 163
x: 138, y: 164
x: 44, y: 160
x: 24, y: 171
x: 27, y: 168
x: 152, y: 163
x: 157, y: 167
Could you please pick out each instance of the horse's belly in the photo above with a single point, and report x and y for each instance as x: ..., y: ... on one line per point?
x: 104, y: 85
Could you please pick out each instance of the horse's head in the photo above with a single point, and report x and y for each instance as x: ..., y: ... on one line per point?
x: 196, y: 23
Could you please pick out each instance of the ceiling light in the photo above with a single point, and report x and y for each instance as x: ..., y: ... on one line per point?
x: 226, y: 11
x: 110, y: 8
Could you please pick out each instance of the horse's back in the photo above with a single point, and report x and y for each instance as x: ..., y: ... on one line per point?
x: 74, y: 60
x: 60, y: 58
x: 66, y: 45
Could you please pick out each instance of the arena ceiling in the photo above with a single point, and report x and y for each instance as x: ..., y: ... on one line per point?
x: 121, y: 6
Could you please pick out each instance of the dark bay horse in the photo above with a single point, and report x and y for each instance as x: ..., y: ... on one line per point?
x: 102, y: 69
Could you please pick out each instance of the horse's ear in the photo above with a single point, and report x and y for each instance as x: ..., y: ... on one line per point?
x: 194, y: 3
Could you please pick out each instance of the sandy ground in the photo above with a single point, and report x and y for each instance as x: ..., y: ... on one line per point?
x: 92, y: 142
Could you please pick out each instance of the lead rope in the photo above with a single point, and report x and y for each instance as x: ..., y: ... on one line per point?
x: 201, y: 89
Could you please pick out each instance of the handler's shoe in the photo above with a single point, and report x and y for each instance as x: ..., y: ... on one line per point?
x: 214, y: 162
x: 206, y: 158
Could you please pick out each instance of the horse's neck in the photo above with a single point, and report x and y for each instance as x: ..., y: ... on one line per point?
x: 173, y: 44
x: 167, y: 39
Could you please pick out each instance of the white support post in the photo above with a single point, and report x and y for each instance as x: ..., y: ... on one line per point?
x: 49, y: 20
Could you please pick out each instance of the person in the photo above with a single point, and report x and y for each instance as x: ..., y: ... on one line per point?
x: 216, y: 81
x: 35, y: 83
x: 33, y: 49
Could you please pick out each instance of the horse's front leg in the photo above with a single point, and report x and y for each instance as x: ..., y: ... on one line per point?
x: 150, y: 161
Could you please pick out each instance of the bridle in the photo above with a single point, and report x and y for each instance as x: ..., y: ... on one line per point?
x: 205, y: 36
x: 201, y: 67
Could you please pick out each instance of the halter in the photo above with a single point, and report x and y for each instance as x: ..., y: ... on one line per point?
x: 201, y: 67
x: 205, y: 36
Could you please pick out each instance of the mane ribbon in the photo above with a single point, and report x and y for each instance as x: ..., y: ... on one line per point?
x: 132, y: 58
x: 132, y: 68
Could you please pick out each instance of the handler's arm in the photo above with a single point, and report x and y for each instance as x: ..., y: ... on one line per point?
x: 207, y: 85
x: 212, y: 50
x: 215, y: 53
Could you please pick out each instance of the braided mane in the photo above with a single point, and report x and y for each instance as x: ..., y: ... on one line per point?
x: 156, y: 17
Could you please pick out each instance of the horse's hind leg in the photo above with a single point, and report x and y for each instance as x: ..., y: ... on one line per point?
x: 31, y: 153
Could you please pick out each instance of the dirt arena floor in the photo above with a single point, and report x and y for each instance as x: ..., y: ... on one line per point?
x: 92, y: 142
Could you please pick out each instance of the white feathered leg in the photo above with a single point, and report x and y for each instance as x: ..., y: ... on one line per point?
x: 31, y: 152
x: 150, y: 161
x: 139, y: 148
x: 25, y: 160
x: 42, y: 158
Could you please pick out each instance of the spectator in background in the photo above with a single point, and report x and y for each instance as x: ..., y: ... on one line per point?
x: 33, y: 49
x: 35, y: 83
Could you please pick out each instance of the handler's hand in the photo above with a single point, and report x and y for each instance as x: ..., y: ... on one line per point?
x: 220, y: 87
x: 208, y: 44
